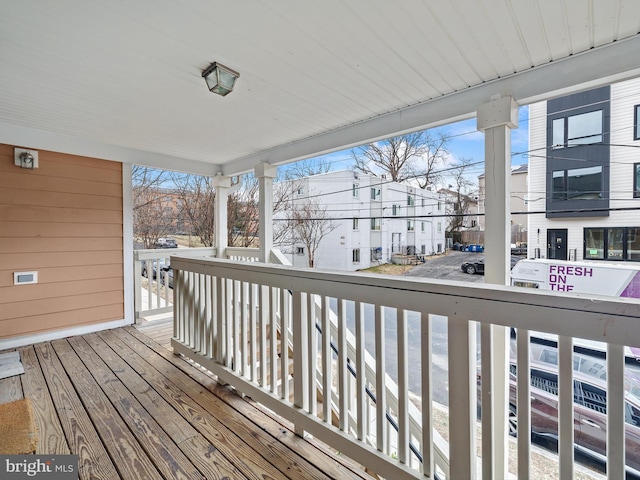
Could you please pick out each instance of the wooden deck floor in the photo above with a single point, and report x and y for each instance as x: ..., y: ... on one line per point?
x: 131, y: 409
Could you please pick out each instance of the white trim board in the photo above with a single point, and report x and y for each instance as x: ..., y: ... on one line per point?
x: 15, y: 342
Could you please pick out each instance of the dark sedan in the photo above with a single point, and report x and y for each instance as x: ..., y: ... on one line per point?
x: 477, y: 266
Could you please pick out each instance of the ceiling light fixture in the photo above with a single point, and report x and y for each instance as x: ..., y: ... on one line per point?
x: 220, y: 79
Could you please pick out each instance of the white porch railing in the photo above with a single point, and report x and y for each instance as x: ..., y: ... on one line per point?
x: 225, y: 318
x: 150, y: 298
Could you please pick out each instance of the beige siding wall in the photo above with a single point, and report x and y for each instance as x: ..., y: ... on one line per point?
x: 63, y: 220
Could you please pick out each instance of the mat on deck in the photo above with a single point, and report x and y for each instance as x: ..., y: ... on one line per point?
x: 18, y: 433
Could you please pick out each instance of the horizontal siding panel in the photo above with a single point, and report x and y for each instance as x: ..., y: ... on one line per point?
x: 80, y: 161
x: 60, y: 320
x: 41, y: 291
x: 68, y: 273
x: 57, y: 230
x: 69, y: 244
x: 65, y: 166
x: 64, y: 171
x: 63, y: 220
x: 35, y: 307
x: 62, y: 200
x: 38, y: 182
x: 34, y: 261
x: 31, y: 213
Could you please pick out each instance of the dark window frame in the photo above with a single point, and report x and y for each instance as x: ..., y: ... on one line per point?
x: 571, y: 142
x: 606, y: 231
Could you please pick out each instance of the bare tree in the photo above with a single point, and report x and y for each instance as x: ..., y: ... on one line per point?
x: 153, y: 216
x: 196, y: 196
x: 243, y: 213
x: 307, y: 168
x: 309, y: 225
x: 147, y: 185
x: 460, y: 202
x: 414, y: 155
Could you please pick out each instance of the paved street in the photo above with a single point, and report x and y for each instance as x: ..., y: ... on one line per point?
x: 447, y: 267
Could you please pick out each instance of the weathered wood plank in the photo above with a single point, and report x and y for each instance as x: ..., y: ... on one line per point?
x: 314, y: 451
x: 194, y: 449
x: 10, y: 389
x: 84, y: 441
x: 127, y: 454
x: 51, y: 439
x: 223, y: 430
x: 164, y: 454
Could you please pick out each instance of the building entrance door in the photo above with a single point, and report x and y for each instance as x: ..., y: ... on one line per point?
x: 557, y: 244
x: 395, y: 243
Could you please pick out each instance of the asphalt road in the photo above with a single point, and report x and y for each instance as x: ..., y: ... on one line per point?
x: 445, y: 267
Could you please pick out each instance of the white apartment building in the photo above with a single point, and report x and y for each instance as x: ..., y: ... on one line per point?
x: 374, y: 218
x: 517, y: 203
x: 584, y: 175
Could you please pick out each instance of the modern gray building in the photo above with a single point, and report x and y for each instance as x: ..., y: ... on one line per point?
x: 584, y: 182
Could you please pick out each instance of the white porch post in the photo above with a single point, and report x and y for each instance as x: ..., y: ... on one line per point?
x: 222, y: 185
x: 265, y: 174
x: 496, y: 119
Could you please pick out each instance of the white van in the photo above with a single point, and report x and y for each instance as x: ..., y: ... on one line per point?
x: 597, y: 278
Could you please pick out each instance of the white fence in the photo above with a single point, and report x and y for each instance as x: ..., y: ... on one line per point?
x: 150, y: 296
x: 227, y: 316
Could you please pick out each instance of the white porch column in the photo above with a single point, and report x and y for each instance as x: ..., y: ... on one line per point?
x: 496, y: 119
x: 222, y: 185
x: 265, y: 174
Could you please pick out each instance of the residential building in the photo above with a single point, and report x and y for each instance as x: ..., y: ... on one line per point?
x: 461, y: 216
x: 517, y: 205
x: 367, y: 218
x: 584, y: 188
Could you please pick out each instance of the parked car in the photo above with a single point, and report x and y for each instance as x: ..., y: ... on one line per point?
x: 477, y: 266
x: 154, y: 267
x: 166, y: 243
x: 166, y: 276
x: 474, y: 247
x: 518, y: 250
x: 590, y: 404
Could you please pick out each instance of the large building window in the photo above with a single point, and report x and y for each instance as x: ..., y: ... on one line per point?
x: 577, y: 184
x: 355, y: 255
x: 356, y: 223
x: 375, y: 224
x: 410, y: 226
x: 375, y: 194
x: 619, y: 243
x: 355, y: 190
x: 578, y: 129
x: 636, y: 180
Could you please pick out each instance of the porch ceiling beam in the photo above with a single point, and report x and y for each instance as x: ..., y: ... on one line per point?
x: 599, y: 66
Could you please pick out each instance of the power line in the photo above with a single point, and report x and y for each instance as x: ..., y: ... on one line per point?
x: 461, y: 215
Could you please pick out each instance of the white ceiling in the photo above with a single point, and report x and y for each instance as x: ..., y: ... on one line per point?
x: 122, y: 79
